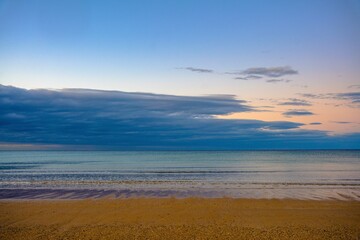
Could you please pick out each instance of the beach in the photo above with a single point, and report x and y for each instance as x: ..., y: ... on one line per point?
x: 173, y: 218
x: 180, y: 195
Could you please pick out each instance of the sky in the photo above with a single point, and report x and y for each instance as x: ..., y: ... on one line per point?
x: 188, y: 74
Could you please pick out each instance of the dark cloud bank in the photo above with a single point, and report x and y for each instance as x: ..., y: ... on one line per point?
x: 94, y: 119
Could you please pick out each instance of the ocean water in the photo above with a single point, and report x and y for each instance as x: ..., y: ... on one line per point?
x: 239, y: 174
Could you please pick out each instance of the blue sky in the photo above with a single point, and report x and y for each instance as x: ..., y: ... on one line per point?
x: 286, y: 61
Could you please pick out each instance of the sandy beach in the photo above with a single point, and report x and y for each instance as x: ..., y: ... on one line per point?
x: 170, y: 218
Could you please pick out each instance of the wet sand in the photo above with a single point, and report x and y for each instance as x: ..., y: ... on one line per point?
x: 170, y: 218
x: 133, y: 190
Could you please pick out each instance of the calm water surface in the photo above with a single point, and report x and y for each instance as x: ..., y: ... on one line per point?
x: 243, y: 174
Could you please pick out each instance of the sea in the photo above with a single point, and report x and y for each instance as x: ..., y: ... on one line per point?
x: 316, y: 175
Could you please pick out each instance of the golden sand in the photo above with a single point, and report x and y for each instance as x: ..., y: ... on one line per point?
x: 169, y: 218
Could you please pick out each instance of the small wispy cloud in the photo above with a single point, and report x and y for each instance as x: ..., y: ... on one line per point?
x: 278, y: 80
x: 257, y: 73
x: 315, y: 123
x: 297, y: 112
x: 273, y: 72
x: 254, y: 73
x: 198, y: 70
x: 295, y: 102
x: 352, y: 97
x: 310, y: 95
x: 342, y: 122
x: 250, y: 77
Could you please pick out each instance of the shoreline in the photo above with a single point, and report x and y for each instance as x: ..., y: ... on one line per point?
x: 175, y: 218
x: 320, y: 194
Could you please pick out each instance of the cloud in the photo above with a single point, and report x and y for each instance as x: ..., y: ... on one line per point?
x: 278, y: 80
x: 198, y: 70
x: 253, y: 73
x: 114, y: 120
x: 297, y: 112
x: 249, y: 77
x: 263, y: 72
x: 354, y: 97
x: 342, y: 122
x: 315, y: 123
x: 295, y: 102
x: 273, y: 72
x: 309, y: 95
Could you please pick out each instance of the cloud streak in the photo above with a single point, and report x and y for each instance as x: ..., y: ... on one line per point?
x: 352, y: 97
x: 278, y: 80
x: 342, y: 122
x: 250, y: 77
x: 257, y: 73
x: 297, y: 112
x: 198, y: 70
x: 315, y: 123
x: 273, y: 72
x: 295, y: 102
